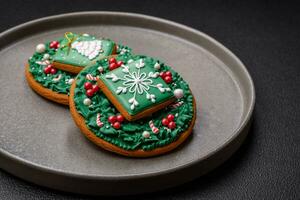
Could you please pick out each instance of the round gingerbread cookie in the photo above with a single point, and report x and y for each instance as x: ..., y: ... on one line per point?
x: 136, y: 83
x: 48, y: 81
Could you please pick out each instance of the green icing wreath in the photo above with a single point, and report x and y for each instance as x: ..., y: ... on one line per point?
x: 129, y: 136
x: 61, y: 81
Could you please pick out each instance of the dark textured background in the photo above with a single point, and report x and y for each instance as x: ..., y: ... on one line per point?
x: 266, y: 37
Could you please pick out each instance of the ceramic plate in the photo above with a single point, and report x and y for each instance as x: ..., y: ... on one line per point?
x: 39, y: 141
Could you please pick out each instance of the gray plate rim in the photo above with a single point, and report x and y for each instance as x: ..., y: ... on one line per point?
x: 243, y: 124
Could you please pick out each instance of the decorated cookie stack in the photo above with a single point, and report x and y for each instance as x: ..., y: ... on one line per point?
x: 54, y: 65
x: 133, y: 105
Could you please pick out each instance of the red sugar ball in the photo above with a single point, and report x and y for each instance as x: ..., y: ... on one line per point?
x: 172, y: 125
x: 165, y: 121
x: 162, y: 74
x: 88, y: 85
x: 112, y: 60
x: 112, y: 66
x: 119, y: 63
x: 89, y: 93
x: 112, y: 119
x: 120, y: 118
x: 168, y: 79
x: 117, y: 125
x: 53, y: 70
x: 50, y: 65
x: 54, y: 44
x: 170, y: 117
x: 47, y: 70
x: 95, y: 88
x: 168, y: 73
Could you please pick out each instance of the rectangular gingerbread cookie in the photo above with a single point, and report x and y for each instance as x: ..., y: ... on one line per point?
x: 136, y: 89
x: 77, y: 51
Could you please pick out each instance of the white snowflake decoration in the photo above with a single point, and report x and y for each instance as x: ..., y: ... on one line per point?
x: 90, y: 49
x: 137, y: 83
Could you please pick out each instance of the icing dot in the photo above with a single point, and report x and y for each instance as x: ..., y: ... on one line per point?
x: 87, y: 101
x: 130, y: 61
x: 85, y: 34
x: 146, y: 134
x: 40, y: 48
x: 100, y: 69
x: 46, y: 56
x: 70, y: 81
x: 157, y: 66
x: 178, y: 93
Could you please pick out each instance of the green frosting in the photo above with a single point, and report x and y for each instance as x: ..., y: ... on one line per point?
x: 130, y: 135
x: 137, y: 85
x: 121, y: 49
x: 82, y: 50
x: 61, y: 81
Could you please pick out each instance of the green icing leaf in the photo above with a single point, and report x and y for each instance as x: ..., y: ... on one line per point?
x: 130, y: 128
x: 108, y: 131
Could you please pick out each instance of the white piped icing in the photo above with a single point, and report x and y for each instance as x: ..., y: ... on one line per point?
x: 90, y: 49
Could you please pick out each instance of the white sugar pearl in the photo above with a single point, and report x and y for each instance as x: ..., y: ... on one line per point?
x: 85, y: 34
x: 100, y: 69
x: 87, y: 101
x: 46, y: 56
x: 178, y: 93
x: 40, y: 48
x: 157, y: 66
x: 146, y: 134
x: 70, y: 81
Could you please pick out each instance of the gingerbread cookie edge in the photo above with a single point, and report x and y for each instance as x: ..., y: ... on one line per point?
x: 80, y: 122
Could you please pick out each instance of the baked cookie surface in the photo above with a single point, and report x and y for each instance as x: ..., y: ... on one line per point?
x: 51, y: 83
x: 102, y: 123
